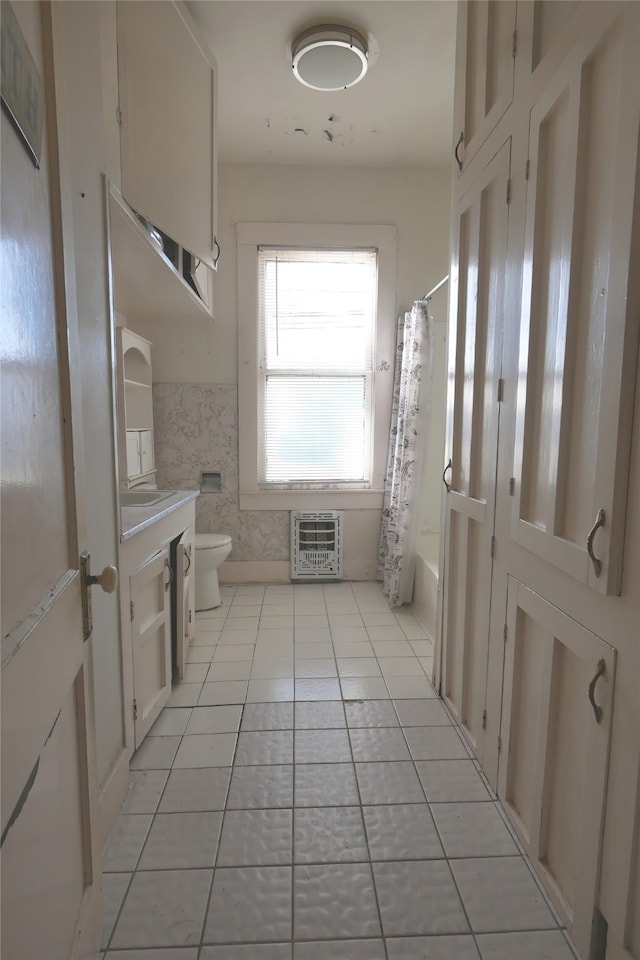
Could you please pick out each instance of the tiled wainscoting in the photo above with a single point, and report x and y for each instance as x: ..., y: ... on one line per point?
x: 305, y: 796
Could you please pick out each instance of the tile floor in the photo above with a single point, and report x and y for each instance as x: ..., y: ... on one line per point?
x: 305, y: 796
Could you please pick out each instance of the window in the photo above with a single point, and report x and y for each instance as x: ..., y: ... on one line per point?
x: 316, y: 309
x: 316, y: 339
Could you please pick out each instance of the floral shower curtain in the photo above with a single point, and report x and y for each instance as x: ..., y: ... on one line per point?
x: 396, y: 559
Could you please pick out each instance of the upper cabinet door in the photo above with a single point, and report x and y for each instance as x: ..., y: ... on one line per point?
x: 167, y: 86
x: 484, y: 70
x: 579, y: 328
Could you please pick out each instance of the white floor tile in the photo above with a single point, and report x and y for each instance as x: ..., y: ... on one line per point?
x: 145, y: 790
x: 317, y: 689
x: 264, y: 747
x: 540, y: 945
x: 371, y: 713
x: 197, y: 789
x: 114, y: 887
x: 329, y: 835
x: 279, y: 668
x: 322, y: 746
x: 393, y: 648
x: 500, y: 894
x: 410, y: 688
x: 343, y: 635
x: 200, y: 654
x: 334, y: 901
x: 308, y: 668
x: 264, y: 894
x: 267, y: 716
x: 451, y: 781
x: 181, y: 841
x: 261, y: 691
x: 358, y: 667
x: 325, y: 784
x: 393, y: 782
x: 215, y: 719
x: 205, y: 750
x: 418, y: 897
x: 254, y: 951
x: 168, y: 953
x: 400, y: 666
x: 402, y: 832
x: 422, y: 713
x: 233, y: 653
x: 378, y: 743
x: 319, y: 715
x: 435, y: 743
x: 340, y: 950
x: 155, y: 753
x: 453, y: 947
x: 261, y: 786
x: 364, y: 688
x: 472, y: 830
x: 222, y: 692
x: 163, y: 908
x: 256, y: 838
x: 386, y: 634
x: 229, y: 670
x: 195, y: 672
x: 185, y: 695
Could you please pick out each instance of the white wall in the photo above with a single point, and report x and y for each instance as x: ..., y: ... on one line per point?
x: 415, y: 200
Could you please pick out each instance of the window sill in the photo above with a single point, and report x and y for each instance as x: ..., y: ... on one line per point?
x: 312, y: 500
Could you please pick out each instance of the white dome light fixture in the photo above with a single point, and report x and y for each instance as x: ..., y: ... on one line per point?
x: 329, y: 57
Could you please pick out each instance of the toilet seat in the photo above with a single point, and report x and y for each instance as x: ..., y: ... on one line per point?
x: 208, y: 541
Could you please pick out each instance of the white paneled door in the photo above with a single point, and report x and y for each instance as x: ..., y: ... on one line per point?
x: 150, y: 640
x: 578, y: 345
x: 51, y: 866
x: 475, y: 349
x: 556, y: 726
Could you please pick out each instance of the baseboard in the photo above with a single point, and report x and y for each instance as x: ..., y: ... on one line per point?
x: 113, y: 794
x: 254, y: 571
x: 425, y: 594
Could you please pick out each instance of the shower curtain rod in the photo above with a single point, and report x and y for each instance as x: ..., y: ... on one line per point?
x: 427, y: 296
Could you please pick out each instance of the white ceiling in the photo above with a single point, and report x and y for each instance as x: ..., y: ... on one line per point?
x: 399, y: 114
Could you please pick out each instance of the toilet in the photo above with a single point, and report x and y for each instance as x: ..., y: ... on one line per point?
x: 211, y: 550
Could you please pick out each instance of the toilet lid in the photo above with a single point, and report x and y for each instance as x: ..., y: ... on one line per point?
x: 206, y: 541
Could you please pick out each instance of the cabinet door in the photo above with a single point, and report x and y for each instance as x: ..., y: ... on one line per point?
x: 184, y: 599
x: 556, y: 721
x: 475, y: 346
x: 484, y: 71
x: 579, y: 328
x: 150, y: 640
x: 133, y: 454
x: 147, y: 458
x: 167, y: 88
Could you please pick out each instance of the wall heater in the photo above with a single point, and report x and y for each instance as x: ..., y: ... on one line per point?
x: 316, y: 545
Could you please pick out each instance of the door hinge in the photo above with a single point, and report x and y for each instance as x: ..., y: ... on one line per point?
x: 131, y: 609
x: 512, y: 486
x: 189, y: 616
x: 135, y: 709
x: 499, y: 744
x: 526, y: 169
x: 509, y: 190
x: 119, y: 117
x: 493, y: 547
x: 514, y: 43
x: 504, y: 633
x: 500, y: 389
x: 484, y: 719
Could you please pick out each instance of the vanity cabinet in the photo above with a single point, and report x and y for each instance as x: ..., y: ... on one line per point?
x: 167, y: 90
x: 135, y: 408
x: 157, y: 605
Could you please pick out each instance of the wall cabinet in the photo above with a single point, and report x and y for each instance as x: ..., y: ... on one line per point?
x: 167, y: 87
x: 541, y: 604
x: 135, y: 408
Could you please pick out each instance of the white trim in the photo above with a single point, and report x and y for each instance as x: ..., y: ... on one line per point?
x: 249, y: 237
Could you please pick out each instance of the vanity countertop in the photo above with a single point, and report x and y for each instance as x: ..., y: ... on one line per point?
x: 137, y: 518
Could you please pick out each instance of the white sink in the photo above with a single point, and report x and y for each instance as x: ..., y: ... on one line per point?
x: 143, y: 498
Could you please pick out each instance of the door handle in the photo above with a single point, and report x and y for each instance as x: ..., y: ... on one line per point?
x: 187, y: 556
x: 457, y: 147
x: 597, y: 564
x: 107, y: 579
x: 170, y: 580
x: 600, y: 671
x: 449, y: 466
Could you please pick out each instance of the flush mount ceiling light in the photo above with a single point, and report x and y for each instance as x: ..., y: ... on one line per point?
x: 329, y: 57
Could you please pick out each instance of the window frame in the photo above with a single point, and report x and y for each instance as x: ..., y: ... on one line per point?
x: 251, y: 236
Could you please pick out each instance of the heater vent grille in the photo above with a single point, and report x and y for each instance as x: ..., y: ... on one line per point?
x: 316, y: 545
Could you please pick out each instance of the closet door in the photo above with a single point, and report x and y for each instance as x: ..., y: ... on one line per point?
x: 556, y: 725
x: 578, y: 333
x: 485, y: 57
x: 475, y: 346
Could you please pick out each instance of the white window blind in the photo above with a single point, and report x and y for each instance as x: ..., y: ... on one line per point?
x: 316, y: 352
